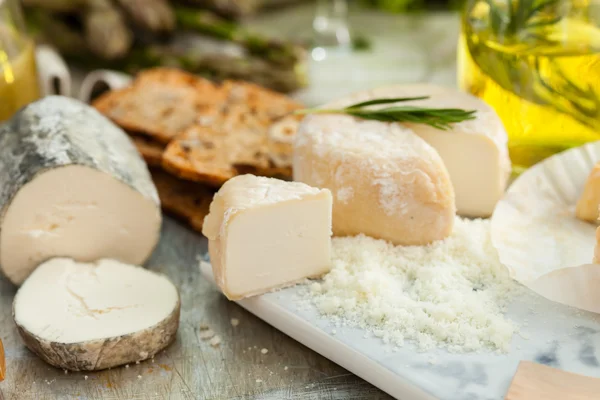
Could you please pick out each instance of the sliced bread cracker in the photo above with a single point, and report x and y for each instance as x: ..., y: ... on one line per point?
x: 251, y: 133
x: 150, y: 149
x: 188, y: 201
x: 161, y: 102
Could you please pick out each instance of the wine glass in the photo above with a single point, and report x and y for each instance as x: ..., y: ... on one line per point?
x: 330, y: 28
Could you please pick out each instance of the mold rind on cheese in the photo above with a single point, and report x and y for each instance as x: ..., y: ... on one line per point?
x: 85, y: 317
x: 475, y: 152
x: 54, y: 154
x: 387, y: 182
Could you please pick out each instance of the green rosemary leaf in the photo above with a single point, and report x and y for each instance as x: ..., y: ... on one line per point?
x: 440, y: 118
x: 540, y: 7
x: 386, y: 101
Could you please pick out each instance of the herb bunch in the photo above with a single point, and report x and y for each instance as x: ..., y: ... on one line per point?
x: 440, y: 118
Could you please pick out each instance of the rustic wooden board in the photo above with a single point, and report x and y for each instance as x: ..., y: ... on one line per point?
x: 190, y: 368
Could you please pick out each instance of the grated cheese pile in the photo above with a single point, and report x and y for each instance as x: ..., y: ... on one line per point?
x: 451, y: 294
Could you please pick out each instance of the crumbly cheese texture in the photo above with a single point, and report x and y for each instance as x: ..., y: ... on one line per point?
x: 386, y: 182
x: 475, y: 152
x: 450, y: 294
x: 266, y: 233
x: 587, y: 206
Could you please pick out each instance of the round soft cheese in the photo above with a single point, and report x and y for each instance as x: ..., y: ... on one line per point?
x: 386, y: 181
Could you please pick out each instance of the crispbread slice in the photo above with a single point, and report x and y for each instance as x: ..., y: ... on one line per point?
x: 150, y: 150
x: 252, y: 132
x: 188, y: 201
x: 161, y: 102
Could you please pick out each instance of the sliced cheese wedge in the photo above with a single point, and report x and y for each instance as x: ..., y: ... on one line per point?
x: 387, y: 182
x: 587, y: 206
x: 266, y: 233
x: 475, y: 151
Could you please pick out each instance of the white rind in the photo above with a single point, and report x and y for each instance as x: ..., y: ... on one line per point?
x: 266, y: 233
x: 58, y: 132
x: 534, y: 227
x: 490, y: 150
x: 64, y: 329
x: 386, y: 181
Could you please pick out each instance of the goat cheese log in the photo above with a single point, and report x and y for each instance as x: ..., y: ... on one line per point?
x: 73, y: 185
x: 85, y: 317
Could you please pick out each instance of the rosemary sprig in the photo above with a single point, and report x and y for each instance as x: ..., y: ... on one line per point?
x: 440, y: 118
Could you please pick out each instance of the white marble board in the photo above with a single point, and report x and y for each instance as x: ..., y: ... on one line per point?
x: 550, y: 334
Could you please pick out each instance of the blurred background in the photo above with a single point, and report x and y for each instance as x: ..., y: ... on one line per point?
x: 537, y: 62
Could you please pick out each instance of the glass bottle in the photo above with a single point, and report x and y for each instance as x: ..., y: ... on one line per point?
x: 537, y: 62
x: 18, y: 74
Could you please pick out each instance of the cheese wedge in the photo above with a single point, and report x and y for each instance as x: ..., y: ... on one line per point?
x: 475, y: 151
x: 266, y: 233
x: 587, y: 206
x: 387, y: 182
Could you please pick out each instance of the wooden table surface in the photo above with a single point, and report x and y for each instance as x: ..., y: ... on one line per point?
x: 406, y: 48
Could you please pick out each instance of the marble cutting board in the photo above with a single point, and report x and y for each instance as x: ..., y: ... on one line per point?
x: 550, y: 334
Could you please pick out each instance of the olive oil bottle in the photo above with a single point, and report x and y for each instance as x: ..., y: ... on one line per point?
x: 18, y: 74
x: 538, y: 64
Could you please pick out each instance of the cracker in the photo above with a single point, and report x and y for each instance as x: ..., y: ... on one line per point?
x: 160, y: 103
x: 251, y: 133
x: 188, y: 201
x: 150, y: 150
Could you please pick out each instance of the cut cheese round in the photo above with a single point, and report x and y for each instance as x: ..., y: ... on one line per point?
x: 386, y: 181
x: 84, y: 317
x: 73, y: 185
x: 475, y: 152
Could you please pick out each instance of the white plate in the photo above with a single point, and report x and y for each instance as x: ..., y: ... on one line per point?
x: 536, y: 232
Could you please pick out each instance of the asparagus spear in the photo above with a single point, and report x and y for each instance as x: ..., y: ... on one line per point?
x: 57, y: 5
x: 47, y: 28
x: 152, y: 15
x: 277, y: 51
x: 228, y: 8
x: 106, y: 32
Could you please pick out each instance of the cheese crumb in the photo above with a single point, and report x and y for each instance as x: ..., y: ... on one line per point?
x: 85, y: 377
x: 215, y: 341
x: 264, y: 351
x: 139, y: 377
x: 235, y: 322
x: 452, y: 293
x: 207, y: 334
x: 258, y: 380
x: 285, y: 368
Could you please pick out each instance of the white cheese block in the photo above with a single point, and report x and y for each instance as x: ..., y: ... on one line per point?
x: 73, y: 185
x: 587, y: 206
x: 475, y: 151
x: 81, y: 316
x: 386, y: 181
x: 266, y: 233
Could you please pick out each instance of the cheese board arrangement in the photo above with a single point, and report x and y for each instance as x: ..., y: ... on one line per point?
x: 376, y: 229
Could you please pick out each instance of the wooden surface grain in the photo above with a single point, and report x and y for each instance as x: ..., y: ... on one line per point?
x: 190, y: 368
